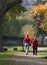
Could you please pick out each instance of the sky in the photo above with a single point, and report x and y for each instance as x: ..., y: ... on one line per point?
x: 28, y: 3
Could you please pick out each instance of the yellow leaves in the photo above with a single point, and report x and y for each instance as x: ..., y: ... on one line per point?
x: 45, y: 16
x: 40, y: 8
x: 41, y: 26
x: 44, y: 26
x: 29, y: 30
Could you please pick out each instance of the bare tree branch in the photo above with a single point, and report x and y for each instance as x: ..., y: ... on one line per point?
x: 11, y: 4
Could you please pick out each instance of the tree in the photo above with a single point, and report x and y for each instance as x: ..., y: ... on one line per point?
x: 5, y: 5
x: 28, y: 29
x: 40, y: 13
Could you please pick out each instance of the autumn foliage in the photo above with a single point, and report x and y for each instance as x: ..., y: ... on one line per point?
x: 41, y: 9
x: 29, y: 30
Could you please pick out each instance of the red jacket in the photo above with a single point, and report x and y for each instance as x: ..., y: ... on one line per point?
x: 26, y: 40
x: 35, y: 43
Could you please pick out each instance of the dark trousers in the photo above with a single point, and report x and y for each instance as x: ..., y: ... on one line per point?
x: 34, y: 51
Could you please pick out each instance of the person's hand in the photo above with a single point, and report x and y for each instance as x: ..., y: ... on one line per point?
x: 32, y: 45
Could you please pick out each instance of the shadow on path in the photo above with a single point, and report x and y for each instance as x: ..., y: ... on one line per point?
x: 20, y: 58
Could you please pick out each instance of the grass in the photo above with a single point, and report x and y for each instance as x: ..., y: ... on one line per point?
x: 19, y: 48
x: 43, y: 53
x: 6, y: 57
x: 10, y: 48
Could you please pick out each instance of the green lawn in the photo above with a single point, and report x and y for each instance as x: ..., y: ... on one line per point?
x: 43, y: 53
x: 6, y: 57
x: 19, y: 48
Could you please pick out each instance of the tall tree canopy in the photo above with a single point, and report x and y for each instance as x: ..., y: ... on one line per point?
x: 5, y: 5
x: 40, y: 12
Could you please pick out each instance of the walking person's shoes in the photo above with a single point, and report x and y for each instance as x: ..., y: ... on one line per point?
x: 26, y: 53
x: 35, y: 53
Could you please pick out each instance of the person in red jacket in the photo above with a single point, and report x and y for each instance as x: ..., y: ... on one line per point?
x: 35, y: 46
x: 26, y: 42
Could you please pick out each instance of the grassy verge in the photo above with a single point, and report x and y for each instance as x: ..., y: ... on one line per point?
x: 43, y: 53
x: 19, y: 48
x: 5, y: 57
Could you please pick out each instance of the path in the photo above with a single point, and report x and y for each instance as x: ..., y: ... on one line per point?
x: 20, y: 58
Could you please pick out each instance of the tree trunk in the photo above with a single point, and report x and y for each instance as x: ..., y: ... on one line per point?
x: 42, y: 39
x: 1, y: 34
x: 3, y: 9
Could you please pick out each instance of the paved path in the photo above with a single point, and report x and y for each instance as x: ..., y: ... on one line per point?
x: 20, y: 58
x: 42, y: 48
